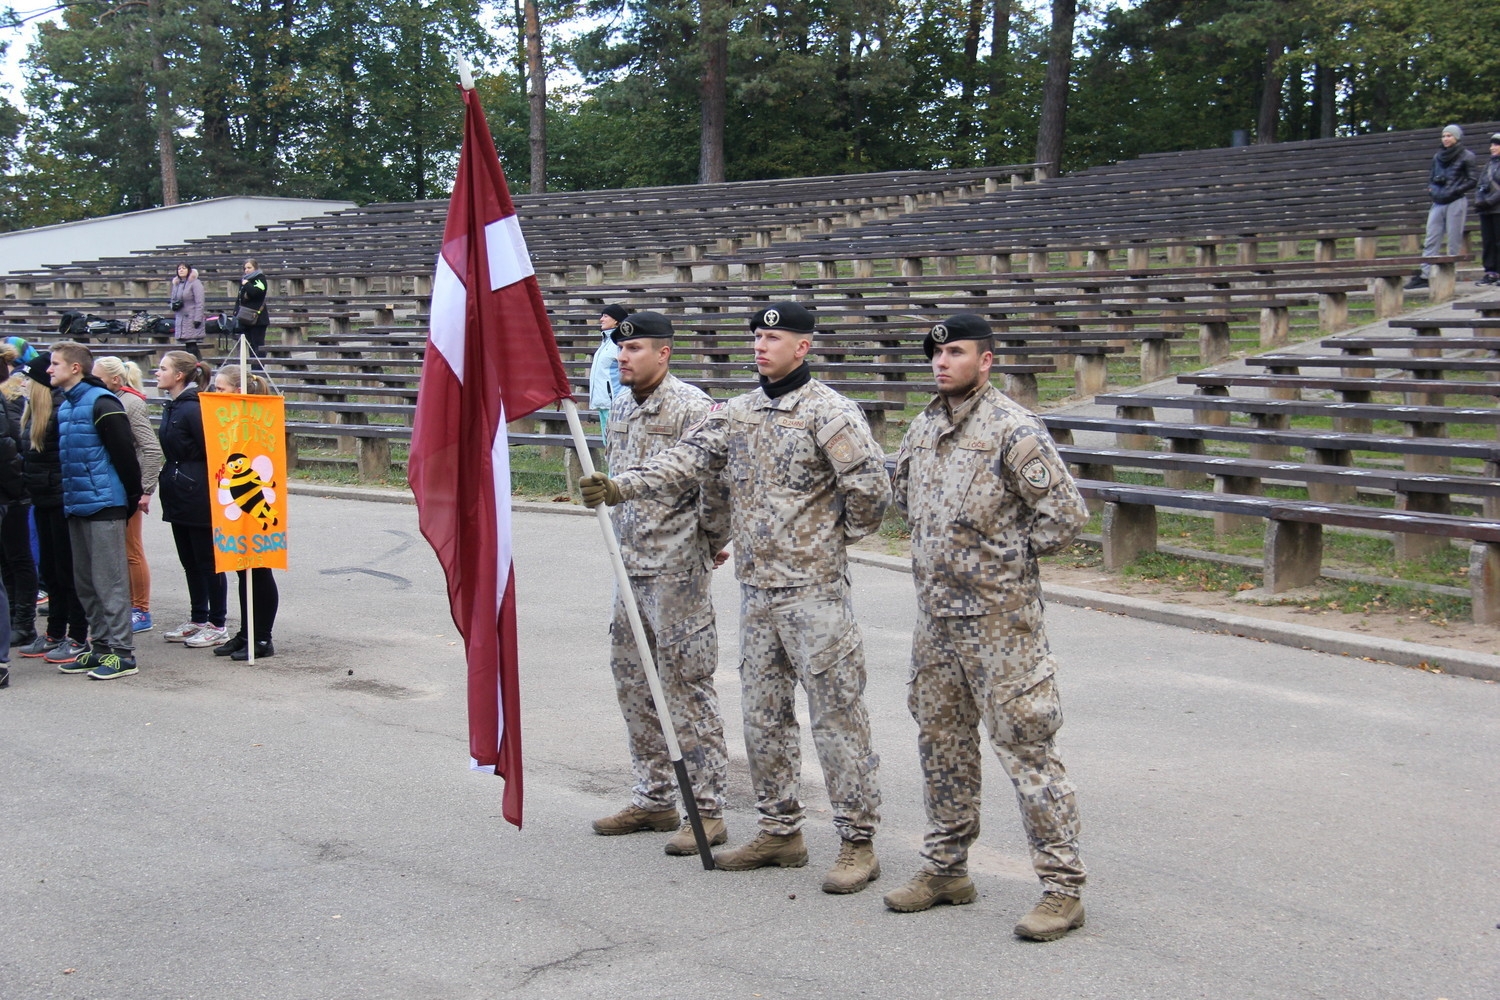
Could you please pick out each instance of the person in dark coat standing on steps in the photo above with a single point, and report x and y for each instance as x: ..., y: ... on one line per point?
x: 1449, y: 182
x: 1487, y: 202
x: 253, y: 297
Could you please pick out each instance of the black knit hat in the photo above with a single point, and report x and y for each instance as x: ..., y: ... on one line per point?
x: 37, y: 370
x: 962, y: 326
x: 790, y: 316
x: 651, y: 325
x: 615, y: 311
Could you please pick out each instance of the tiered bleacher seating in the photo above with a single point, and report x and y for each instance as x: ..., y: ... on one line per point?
x: 1127, y: 274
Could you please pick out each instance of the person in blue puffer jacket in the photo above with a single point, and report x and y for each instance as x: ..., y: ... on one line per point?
x: 101, y: 479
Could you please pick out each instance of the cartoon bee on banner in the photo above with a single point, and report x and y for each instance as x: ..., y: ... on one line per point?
x: 244, y: 436
x: 249, y: 487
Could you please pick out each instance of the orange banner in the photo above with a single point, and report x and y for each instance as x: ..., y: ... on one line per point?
x: 246, y: 441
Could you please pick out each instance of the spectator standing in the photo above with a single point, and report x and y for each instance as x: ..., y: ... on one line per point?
x: 1487, y: 202
x: 12, y: 489
x: 101, y: 491
x: 123, y: 379
x: 17, y: 564
x: 187, y: 307
x: 985, y: 493
x: 66, y: 633
x: 806, y: 478
x: 250, y: 312
x: 1449, y: 181
x: 262, y: 582
x: 604, y: 373
x: 185, y: 498
x: 669, y: 545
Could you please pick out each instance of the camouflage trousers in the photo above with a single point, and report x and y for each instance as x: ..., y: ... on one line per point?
x: 807, y: 635
x: 678, y: 615
x: 999, y: 669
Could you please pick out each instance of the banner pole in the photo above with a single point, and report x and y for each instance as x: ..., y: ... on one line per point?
x: 648, y: 663
x: 249, y: 622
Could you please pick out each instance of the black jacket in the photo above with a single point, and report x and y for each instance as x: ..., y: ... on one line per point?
x: 253, y: 294
x: 183, y: 486
x: 44, y: 468
x: 1487, y: 191
x: 1452, y: 175
x: 12, y: 477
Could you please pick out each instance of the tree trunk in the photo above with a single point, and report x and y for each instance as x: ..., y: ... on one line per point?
x: 166, y: 138
x: 1050, y: 131
x: 1326, y: 101
x: 1270, y: 95
x: 970, y: 80
x: 538, y: 74
x: 996, y: 146
x: 713, y: 33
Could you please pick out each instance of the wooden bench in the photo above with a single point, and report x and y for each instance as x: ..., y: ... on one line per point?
x: 1294, y: 533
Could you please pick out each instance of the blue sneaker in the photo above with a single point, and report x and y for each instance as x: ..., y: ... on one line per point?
x: 140, y: 621
x: 112, y: 665
x: 86, y: 660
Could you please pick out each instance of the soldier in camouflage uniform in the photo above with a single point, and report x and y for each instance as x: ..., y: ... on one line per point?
x: 985, y: 493
x: 806, y: 477
x: 669, y: 544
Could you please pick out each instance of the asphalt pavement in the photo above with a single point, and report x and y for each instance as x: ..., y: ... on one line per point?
x: 1260, y: 821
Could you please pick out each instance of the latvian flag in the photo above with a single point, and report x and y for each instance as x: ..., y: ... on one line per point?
x: 490, y: 359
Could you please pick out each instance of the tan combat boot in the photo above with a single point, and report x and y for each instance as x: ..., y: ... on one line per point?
x: 633, y: 819
x: 765, y: 851
x: 684, y: 843
x: 1053, y: 917
x: 855, y: 868
x: 926, y: 889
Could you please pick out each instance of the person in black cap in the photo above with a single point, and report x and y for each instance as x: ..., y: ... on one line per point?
x: 604, y: 373
x: 806, y: 478
x: 1487, y: 202
x: 670, y: 545
x: 985, y: 493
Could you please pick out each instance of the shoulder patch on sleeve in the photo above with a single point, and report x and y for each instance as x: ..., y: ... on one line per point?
x: 838, y: 441
x: 1036, y: 474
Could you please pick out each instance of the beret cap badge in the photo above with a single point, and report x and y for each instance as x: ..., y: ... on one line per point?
x: 940, y: 333
x: 771, y: 318
x: 627, y: 328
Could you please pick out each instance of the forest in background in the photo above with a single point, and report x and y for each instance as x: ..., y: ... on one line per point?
x: 131, y: 104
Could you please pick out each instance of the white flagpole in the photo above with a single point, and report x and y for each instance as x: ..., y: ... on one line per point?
x: 249, y: 622
x: 648, y: 663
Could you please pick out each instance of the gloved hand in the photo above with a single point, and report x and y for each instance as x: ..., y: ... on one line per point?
x: 599, y: 488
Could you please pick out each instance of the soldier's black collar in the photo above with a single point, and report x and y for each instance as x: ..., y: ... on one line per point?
x: 796, y: 380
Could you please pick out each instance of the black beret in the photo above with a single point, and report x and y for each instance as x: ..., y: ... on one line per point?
x: 615, y: 311
x: 643, y: 324
x: 790, y: 316
x: 963, y: 326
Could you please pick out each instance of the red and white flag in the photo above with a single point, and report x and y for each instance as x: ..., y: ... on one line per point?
x: 491, y: 358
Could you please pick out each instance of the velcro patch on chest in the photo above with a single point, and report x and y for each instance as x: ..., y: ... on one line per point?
x: 795, y: 423
x: 660, y: 429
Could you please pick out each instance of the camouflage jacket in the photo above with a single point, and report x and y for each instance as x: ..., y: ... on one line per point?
x: 673, y: 532
x: 985, y: 493
x: 805, y: 477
